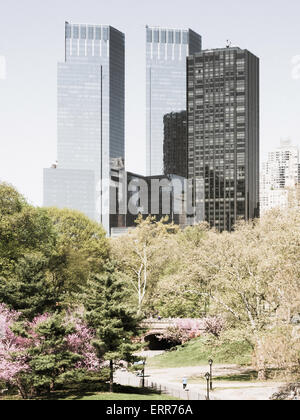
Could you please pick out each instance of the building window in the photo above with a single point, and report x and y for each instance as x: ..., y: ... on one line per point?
x: 91, y: 32
x: 185, y: 38
x: 178, y: 37
x: 170, y: 37
x: 83, y: 32
x: 149, y: 35
x: 98, y: 33
x: 68, y: 31
x: 75, y: 32
x: 105, y: 34
x: 163, y: 37
x: 156, y: 35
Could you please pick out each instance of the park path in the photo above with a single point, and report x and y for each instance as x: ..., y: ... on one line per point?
x: 151, y: 382
x: 169, y: 382
x: 223, y: 390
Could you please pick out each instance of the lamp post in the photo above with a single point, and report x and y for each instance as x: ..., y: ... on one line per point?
x: 143, y: 380
x: 210, y: 366
x: 207, y: 376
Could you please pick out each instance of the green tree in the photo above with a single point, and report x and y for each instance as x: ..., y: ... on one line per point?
x: 177, y: 292
x: 107, y: 312
x: 252, y: 275
x: 143, y: 255
x: 193, y: 236
x: 177, y: 297
x: 11, y: 201
x: 23, y: 229
x: 81, y: 248
x: 29, y: 289
x: 45, y: 253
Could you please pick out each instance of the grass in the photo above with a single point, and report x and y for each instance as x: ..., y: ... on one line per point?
x: 10, y: 398
x: 122, y: 394
x: 199, y: 351
x: 250, y: 376
x: 118, y: 397
x: 99, y: 396
x: 242, y: 377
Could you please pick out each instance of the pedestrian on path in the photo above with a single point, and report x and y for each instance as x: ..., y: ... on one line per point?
x: 184, y: 383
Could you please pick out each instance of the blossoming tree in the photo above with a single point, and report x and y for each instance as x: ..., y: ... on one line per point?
x: 50, y: 350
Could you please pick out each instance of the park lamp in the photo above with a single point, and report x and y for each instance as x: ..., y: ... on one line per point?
x: 207, y: 377
x: 143, y: 380
x: 210, y: 370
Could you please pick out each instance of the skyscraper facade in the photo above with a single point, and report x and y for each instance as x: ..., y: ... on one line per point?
x: 223, y: 133
x: 166, y: 52
x: 279, y: 175
x: 70, y: 188
x: 91, y: 98
x: 175, y: 144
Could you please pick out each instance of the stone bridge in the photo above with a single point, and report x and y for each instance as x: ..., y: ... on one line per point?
x: 155, y: 327
x: 158, y: 326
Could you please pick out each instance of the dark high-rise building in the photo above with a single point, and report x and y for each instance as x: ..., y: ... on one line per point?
x: 175, y: 144
x: 223, y: 133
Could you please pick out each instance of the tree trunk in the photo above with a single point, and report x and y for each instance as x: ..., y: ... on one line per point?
x: 261, y: 367
x: 22, y: 393
x: 21, y: 390
x: 111, y: 376
x: 262, y: 374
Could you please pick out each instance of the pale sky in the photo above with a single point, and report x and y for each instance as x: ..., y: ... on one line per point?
x: 32, y: 42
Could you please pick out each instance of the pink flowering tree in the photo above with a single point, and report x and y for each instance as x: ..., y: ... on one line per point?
x: 37, y: 355
x: 214, y: 325
x: 13, y: 358
x: 185, y: 330
x: 80, y: 342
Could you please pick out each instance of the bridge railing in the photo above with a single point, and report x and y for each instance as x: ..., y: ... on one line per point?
x: 167, y: 321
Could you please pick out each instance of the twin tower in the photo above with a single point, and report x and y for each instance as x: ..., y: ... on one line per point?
x: 202, y: 116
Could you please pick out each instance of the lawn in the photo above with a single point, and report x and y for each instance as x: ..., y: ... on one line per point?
x: 117, y: 397
x: 199, y: 351
x: 249, y: 376
x: 100, y: 396
x: 121, y: 394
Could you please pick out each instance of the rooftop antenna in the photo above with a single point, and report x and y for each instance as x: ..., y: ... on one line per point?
x: 228, y: 43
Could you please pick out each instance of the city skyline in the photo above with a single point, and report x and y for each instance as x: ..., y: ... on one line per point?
x: 28, y: 96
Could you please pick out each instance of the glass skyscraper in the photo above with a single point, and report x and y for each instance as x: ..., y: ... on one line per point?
x: 91, y: 98
x: 166, y: 52
x: 223, y: 133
